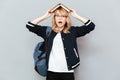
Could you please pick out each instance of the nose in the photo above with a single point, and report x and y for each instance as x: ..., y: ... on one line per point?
x: 60, y: 17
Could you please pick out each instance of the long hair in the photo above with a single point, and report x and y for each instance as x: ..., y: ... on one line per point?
x: 67, y: 25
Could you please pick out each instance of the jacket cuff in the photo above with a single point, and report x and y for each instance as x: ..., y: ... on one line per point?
x: 88, y: 22
x: 31, y: 24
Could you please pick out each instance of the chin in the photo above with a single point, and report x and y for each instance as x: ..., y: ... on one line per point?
x: 60, y: 26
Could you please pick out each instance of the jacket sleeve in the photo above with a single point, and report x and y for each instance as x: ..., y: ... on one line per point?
x: 37, y: 29
x: 85, y: 29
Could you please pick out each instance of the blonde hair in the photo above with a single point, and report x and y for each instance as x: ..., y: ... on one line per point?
x: 67, y: 25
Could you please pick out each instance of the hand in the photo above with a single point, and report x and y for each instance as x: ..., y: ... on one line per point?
x: 48, y: 14
x: 45, y: 16
x: 73, y: 13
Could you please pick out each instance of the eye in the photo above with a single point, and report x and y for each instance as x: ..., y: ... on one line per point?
x: 63, y: 16
x: 60, y: 16
x: 57, y: 15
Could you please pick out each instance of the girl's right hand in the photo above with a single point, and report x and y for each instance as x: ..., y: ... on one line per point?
x: 39, y: 19
x: 48, y: 14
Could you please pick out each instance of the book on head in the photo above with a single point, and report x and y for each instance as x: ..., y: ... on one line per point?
x: 60, y: 5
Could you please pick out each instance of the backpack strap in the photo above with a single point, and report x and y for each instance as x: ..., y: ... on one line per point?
x: 48, y: 31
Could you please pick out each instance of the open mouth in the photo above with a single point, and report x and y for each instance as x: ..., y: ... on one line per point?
x: 60, y: 22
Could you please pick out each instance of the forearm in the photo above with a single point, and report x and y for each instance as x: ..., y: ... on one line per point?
x: 45, y: 16
x: 80, y: 18
x: 38, y: 20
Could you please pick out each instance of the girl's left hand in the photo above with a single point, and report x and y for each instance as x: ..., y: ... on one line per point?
x: 73, y: 13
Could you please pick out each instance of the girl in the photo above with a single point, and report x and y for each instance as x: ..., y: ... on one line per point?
x: 62, y: 53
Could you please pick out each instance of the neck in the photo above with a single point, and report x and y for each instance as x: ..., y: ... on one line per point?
x: 60, y: 28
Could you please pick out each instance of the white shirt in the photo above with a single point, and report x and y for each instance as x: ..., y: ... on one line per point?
x: 57, y: 60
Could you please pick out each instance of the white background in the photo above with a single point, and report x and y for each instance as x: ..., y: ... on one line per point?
x: 99, y: 50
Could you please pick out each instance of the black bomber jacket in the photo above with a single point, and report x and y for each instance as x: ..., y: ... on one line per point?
x: 69, y: 40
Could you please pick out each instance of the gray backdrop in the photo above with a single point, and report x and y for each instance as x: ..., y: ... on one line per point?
x: 99, y: 50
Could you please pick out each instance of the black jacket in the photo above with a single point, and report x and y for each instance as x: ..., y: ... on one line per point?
x: 69, y: 40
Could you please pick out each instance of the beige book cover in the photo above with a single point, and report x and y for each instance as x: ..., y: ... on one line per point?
x: 59, y: 5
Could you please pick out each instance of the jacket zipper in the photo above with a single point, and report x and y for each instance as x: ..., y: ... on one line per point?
x: 75, y: 52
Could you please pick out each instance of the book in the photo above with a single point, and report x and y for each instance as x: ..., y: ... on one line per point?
x: 59, y: 5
